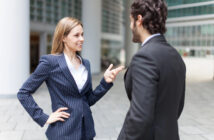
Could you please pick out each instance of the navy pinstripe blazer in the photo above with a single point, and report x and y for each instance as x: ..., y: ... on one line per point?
x: 64, y: 93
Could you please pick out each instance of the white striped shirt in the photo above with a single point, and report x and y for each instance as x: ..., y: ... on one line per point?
x: 80, y: 75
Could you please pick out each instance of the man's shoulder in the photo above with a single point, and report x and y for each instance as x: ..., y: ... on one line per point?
x: 151, y: 49
x: 157, y: 47
x: 158, y: 51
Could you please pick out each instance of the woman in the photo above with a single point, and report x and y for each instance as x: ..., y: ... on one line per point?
x: 68, y: 78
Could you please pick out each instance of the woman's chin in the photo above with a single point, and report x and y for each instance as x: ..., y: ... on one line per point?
x: 79, y: 49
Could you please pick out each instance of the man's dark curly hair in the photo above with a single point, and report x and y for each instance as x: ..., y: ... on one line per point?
x: 153, y: 12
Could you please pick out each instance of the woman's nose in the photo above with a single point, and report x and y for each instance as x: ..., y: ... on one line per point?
x: 81, y: 38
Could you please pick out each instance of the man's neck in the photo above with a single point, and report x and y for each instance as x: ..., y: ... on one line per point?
x: 145, y: 36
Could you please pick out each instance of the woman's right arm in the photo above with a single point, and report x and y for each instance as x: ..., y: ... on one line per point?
x: 30, y: 86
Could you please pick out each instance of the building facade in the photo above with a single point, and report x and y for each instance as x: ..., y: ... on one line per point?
x: 190, y: 27
x: 28, y: 29
x: 44, y: 16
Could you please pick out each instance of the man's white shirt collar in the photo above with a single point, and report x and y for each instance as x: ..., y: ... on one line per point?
x: 150, y: 37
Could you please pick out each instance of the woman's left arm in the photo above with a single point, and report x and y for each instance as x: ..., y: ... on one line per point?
x: 105, y: 84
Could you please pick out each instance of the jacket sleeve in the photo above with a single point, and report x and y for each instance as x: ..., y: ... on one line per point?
x: 138, y: 121
x: 99, y: 92
x: 181, y: 105
x: 30, y: 86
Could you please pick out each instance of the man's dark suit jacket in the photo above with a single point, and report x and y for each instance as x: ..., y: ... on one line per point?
x: 155, y: 85
x: 64, y: 92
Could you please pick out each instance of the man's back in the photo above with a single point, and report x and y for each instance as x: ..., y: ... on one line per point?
x: 171, y: 88
x: 155, y: 84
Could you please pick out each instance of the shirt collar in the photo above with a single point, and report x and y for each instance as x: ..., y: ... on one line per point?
x: 80, y: 59
x: 150, y: 37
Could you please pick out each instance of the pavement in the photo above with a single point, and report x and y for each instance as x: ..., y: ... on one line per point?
x: 195, y: 123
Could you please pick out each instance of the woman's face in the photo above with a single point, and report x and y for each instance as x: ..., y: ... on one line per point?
x: 74, y: 40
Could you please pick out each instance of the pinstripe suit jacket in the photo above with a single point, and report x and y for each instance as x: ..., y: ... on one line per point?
x: 64, y: 93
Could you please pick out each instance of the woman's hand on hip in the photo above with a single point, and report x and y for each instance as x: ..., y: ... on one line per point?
x: 110, y: 74
x: 58, y: 115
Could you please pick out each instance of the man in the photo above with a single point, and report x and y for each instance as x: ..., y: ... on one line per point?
x: 155, y: 79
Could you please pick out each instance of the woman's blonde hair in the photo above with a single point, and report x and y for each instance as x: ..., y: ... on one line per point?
x: 63, y: 28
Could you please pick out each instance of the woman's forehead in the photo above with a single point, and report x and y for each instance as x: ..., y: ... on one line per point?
x: 78, y: 28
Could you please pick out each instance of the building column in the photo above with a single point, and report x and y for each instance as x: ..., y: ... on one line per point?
x: 14, y: 38
x: 91, y: 18
x: 130, y: 47
x: 43, y: 43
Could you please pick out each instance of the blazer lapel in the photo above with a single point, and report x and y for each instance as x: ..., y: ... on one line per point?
x: 87, y: 83
x: 66, y: 72
x: 125, y: 74
x: 128, y: 82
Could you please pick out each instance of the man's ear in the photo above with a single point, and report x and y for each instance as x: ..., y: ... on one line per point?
x: 139, y: 20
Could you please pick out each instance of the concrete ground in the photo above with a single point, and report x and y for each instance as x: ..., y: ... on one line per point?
x: 196, y: 122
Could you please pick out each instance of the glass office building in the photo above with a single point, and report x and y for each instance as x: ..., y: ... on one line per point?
x: 31, y: 24
x: 112, y: 31
x: 190, y: 26
x: 44, y: 14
